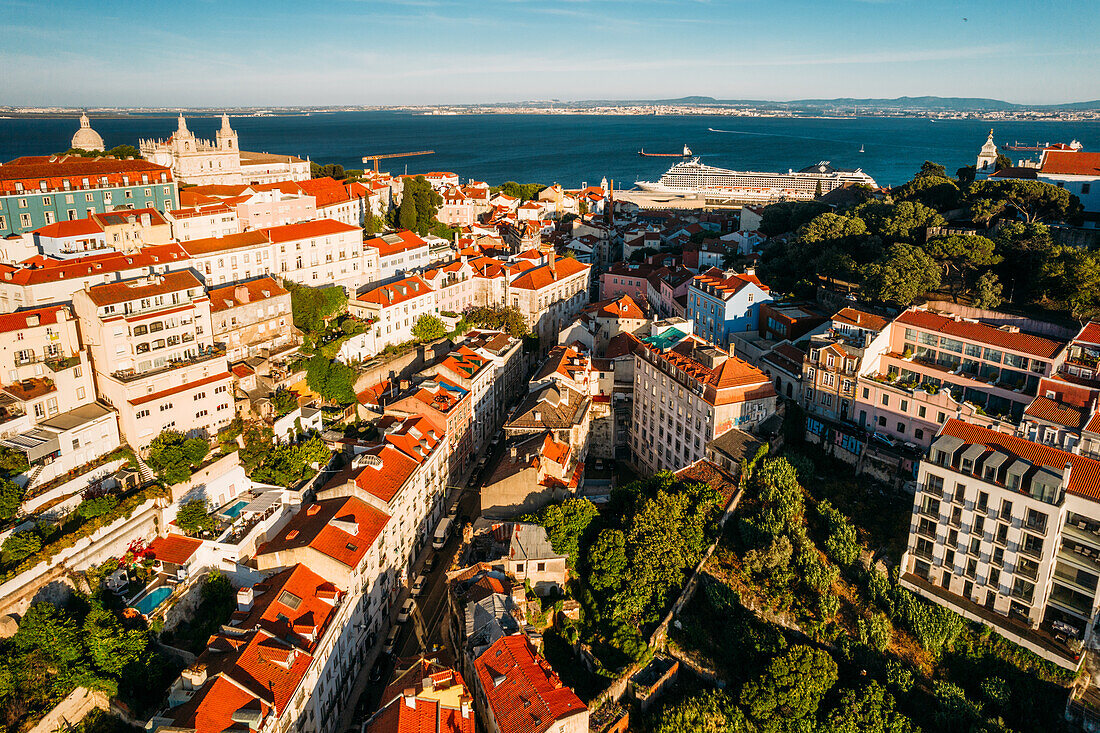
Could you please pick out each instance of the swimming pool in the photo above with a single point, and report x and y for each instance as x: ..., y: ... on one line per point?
x: 234, y: 510
x: 149, y: 602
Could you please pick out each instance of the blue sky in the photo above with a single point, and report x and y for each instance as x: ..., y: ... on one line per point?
x: 271, y: 52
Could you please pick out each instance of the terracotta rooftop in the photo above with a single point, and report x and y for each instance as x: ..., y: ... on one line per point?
x: 210, y: 245
x: 174, y: 548
x: 342, y: 528
x: 398, y: 292
x: 308, y: 230
x: 523, y: 692
x: 254, y: 290
x: 981, y: 332
x: 1071, y: 163
x: 860, y: 319
x: 396, y: 242
x: 540, y: 277
x: 40, y: 270
x: 143, y: 287
x: 21, y: 320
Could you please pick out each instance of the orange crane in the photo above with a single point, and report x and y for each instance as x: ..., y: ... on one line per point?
x: 376, y: 158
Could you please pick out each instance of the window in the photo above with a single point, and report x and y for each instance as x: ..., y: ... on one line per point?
x: 1006, y: 510
x: 994, y: 578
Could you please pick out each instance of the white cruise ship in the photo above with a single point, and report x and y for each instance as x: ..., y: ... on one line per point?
x: 692, y: 177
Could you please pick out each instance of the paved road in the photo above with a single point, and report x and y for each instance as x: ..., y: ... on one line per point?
x: 423, y: 632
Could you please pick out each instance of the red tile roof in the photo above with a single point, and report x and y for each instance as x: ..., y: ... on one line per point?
x: 295, y: 604
x: 981, y: 332
x: 257, y: 290
x: 74, y: 228
x: 727, y: 285
x: 1071, y: 163
x: 860, y: 319
x: 621, y: 307
x: 123, y: 216
x: 29, y: 170
x: 325, y: 191
x: 174, y: 548
x: 210, y: 245
x: 1090, y: 333
x: 1084, y: 478
x: 143, y: 399
x: 523, y: 691
x: 21, y: 319
x: 397, y: 292
x: 143, y: 287
x: 406, y: 240
x: 38, y: 270
x: 464, y: 362
x: 308, y: 230
x: 542, y: 277
x: 342, y: 528
x: 387, y: 465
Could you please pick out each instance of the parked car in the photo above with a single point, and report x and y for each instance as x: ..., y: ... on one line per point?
x: 406, y: 610
x: 391, y: 640
x: 418, y: 585
x: 379, y: 670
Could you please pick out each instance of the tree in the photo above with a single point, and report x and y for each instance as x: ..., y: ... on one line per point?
x: 904, y: 221
x: 407, y: 214
x: 712, y: 711
x: 987, y: 291
x: 19, y: 545
x: 791, y: 688
x: 960, y: 255
x: 841, y: 544
x: 831, y: 227
x: 1001, y: 162
x: 936, y: 192
x: 312, y: 307
x: 373, y: 224
x: 500, y: 318
x: 901, y: 275
x: 194, y: 517
x: 1031, y: 200
x: 788, y: 216
x: 331, y: 379
x: 870, y: 709
x: 965, y: 175
x: 1024, y: 249
x: 96, y: 507
x: 1071, y: 278
x: 174, y: 457
x: 12, y: 461
x: 607, y: 561
x: 11, y: 497
x: 929, y: 169
x: 427, y: 328
x: 329, y: 170
x: 284, y: 401
x: 565, y: 524
x: 111, y: 647
x: 522, y: 191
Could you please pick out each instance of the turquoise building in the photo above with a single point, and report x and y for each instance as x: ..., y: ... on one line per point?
x: 40, y: 190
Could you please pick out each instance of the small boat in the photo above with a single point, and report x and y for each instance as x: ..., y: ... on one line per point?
x: 861, y: 148
x: 685, y: 154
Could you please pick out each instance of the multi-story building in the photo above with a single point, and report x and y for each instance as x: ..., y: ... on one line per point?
x: 232, y: 257
x: 600, y: 322
x: 1006, y: 532
x: 66, y: 239
x: 392, y: 310
x: 270, y: 205
x: 204, y: 221
x: 334, y: 200
x: 667, y: 291
x: 398, y: 254
x: 43, y: 369
x: 454, y: 285
x: 550, y: 295
x: 687, y: 393
x: 404, y: 475
x: 520, y: 693
x: 1077, y: 172
x: 449, y: 405
x: 40, y: 190
x: 252, y: 318
x: 152, y: 346
x: 505, y: 353
x: 829, y: 373
x: 220, y: 161
x: 128, y: 230
x: 927, y: 366
x: 626, y: 279
x: 48, y: 282
x: 322, y: 252
x: 426, y: 698
x: 723, y: 303
x: 476, y: 374
x: 282, y: 662
x: 534, y: 470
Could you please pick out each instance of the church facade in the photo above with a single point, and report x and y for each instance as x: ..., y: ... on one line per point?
x: 220, y: 161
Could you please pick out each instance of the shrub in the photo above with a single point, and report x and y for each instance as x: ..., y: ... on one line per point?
x: 96, y: 507
x: 174, y: 457
x: 194, y: 517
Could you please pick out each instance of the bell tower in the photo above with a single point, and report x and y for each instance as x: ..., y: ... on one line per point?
x: 226, y: 136
x: 987, y: 158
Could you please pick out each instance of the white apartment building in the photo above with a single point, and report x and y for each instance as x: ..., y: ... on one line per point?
x: 152, y: 348
x: 550, y: 295
x: 399, y: 254
x: 232, y: 257
x: 252, y: 318
x: 476, y: 374
x: 403, y: 475
x: 322, y: 252
x: 49, y: 282
x: 454, y: 285
x: 66, y: 239
x: 1006, y: 532
x: 203, y: 222
x: 392, y: 310
x: 687, y: 393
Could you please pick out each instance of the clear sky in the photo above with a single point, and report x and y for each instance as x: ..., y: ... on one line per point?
x: 274, y: 52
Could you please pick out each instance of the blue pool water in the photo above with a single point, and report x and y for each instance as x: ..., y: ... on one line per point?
x: 234, y: 510
x: 149, y: 602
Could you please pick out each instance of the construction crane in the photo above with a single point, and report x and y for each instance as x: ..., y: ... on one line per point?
x: 376, y: 158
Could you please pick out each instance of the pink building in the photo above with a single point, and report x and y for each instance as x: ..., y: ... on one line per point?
x: 926, y: 367
x: 625, y: 279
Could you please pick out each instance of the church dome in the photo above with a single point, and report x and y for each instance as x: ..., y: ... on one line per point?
x: 86, y: 138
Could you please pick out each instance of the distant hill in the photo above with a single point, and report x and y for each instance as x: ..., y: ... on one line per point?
x: 952, y: 104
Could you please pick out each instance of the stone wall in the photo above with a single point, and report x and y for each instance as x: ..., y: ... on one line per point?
x: 71, y: 710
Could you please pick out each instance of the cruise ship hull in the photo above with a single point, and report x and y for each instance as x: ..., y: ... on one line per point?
x: 720, y: 184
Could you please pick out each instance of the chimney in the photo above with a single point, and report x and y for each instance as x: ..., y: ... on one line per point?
x: 512, y: 451
x: 1065, y: 474
x: 428, y: 684
x: 464, y: 705
x: 410, y: 696
x: 244, y: 599
x: 194, y: 676
x: 240, y: 294
x: 146, y: 220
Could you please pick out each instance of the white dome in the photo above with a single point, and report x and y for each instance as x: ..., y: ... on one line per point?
x: 86, y: 138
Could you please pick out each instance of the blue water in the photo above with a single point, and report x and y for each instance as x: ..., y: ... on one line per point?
x: 234, y: 510
x: 149, y: 602
x: 572, y: 149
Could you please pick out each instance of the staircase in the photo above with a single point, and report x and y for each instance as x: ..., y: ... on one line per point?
x: 32, y: 478
x: 146, y: 473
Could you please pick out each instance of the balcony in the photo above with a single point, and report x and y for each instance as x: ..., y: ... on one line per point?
x: 933, y: 489
x: 923, y: 554
x: 1024, y: 571
x: 131, y: 375
x: 61, y: 364
x: 1032, y: 552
